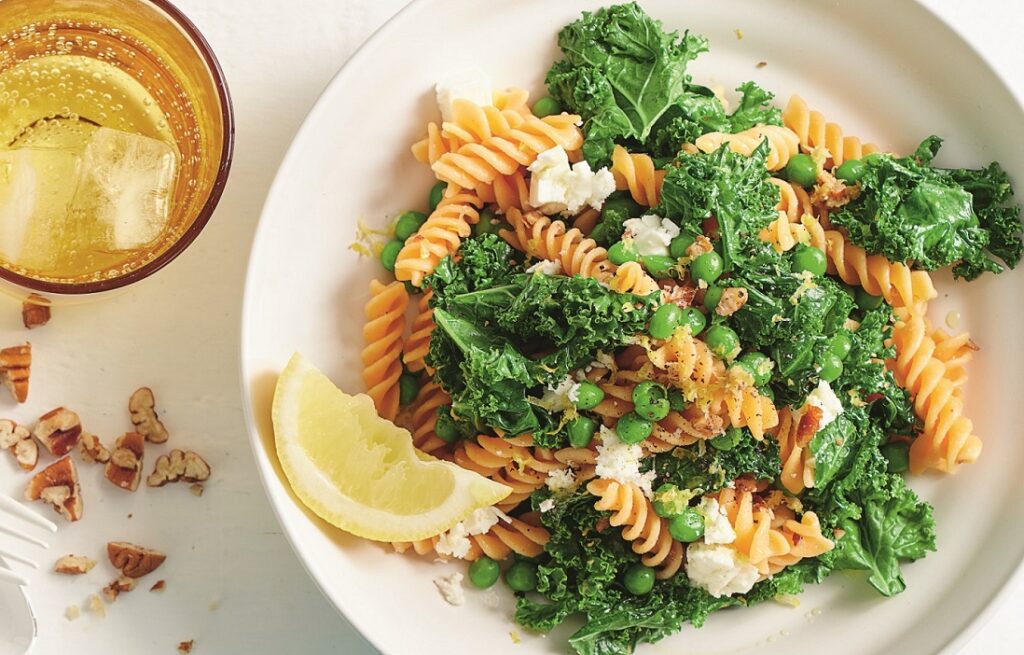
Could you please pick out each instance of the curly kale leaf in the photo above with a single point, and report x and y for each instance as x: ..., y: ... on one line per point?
x: 709, y: 469
x: 482, y: 262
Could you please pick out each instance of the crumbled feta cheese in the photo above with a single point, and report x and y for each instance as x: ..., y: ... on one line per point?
x: 826, y: 400
x: 561, y: 480
x: 651, y: 234
x: 717, y: 568
x: 473, y: 85
x: 483, y: 519
x: 455, y: 542
x: 450, y: 587
x: 560, y: 398
x: 546, y: 267
x: 717, y: 529
x: 546, y: 505
x: 620, y: 461
x: 555, y: 186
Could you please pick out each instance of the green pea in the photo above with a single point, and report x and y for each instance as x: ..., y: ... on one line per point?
x: 711, y: 297
x: 488, y: 223
x: 389, y: 254
x: 668, y: 500
x: 694, y: 318
x: 546, y: 106
x: 521, y: 576
x: 408, y: 223
x: 581, y: 430
x: 707, y: 267
x: 687, y: 527
x: 898, y: 455
x: 638, y: 579
x: 437, y: 194
x: 840, y: 344
x: 484, y: 572
x: 848, y: 290
x: 722, y: 341
x: 621, y: 204
x: 660, y: 266
x: 678, y: 246
x: 802, y: 170
x: 665, y: 321
x: 445, y: 427
x: 589, y: 395
x: 759, y: 365
x: 619, y: 253
x: 851, y: 171
x: 867, y: 301
x: 810, y: 259
x: 729, y: 440
x: 408, y: 388
x: 632, y: 428
x: 830, y: 367
x: 651, y: 400
x: 676, y: 400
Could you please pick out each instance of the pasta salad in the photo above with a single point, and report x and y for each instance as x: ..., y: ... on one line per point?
x: 689, y: 334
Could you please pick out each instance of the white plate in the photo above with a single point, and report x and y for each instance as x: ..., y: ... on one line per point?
x: 17, y: 623
x: 890, y: 72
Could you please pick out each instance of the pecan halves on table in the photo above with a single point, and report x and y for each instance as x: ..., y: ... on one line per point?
x: 15, y: 365
x: 124, y: 469
x: 59, y: 431
x: 57, y: 485
x: 142, y: 407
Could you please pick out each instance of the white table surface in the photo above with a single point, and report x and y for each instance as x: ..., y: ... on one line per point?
x: 233, y: 583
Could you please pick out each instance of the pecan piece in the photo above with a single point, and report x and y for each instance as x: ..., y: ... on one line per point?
x: 74, y: 565
x: 59, y: 431
x: 15, y: 364
x: 185, y: 647
x: 142, y: 407
x: 18, y: 440
x: 57, y: 484
x: 178, y: 465
x: 733, y: 298
x: 122, y: 585
x: 134, y: 561
x: 92, y: 449
x: 35, y: 311
x: 124, y: 469
x: 808, y: 425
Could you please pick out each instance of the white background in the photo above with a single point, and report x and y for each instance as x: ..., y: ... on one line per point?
x: 233, y: 583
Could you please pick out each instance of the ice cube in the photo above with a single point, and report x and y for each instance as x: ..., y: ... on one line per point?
x: 36, y: 188
x: 127, y: 181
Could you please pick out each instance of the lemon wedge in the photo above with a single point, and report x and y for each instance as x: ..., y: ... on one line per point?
x: 360, y: 472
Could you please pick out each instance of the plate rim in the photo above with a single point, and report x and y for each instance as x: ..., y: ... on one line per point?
x: 976, y: 622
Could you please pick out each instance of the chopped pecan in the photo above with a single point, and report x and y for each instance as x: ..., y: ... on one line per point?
x: 35, y: 311
x: 733, y: 298
x: 832, y: 192
x: 185, y: 647
x: 74, y: 565
x: 158, y: 586
x: 57, y: 484
x: 700, y: 245
x: 142, y: 406
x: 18, y: 440
x: 15, y: 364
x: 122, y: 585
x: 678, y: 294
x: 97, y: 606
x: 134, y: 561
x: 197, y: 490
x: 59, y: 431
x: 808, y: 426
x: 92, y: 449
x: 124, y: 469
x: 178, y: 465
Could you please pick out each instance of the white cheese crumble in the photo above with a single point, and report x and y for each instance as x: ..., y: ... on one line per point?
x: 455, y: 542
x: 546, y: 505
x: 555, y: 186
x: 560, y: 480
x: 450, y: 587
x: 559, y: 398
x: 472, y: 84
x: 826, y: 400
x: 651, y: 234
x: 546, y: 267
x: 620, y: 461
x: 717, y: 568
x: 717, y: 529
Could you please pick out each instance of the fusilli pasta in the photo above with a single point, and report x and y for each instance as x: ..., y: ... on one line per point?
x: 439, y: 236
x: 417, y: 345
x: 783, y: 142
x: 385, y: 323
x: 637, y: 173
x: 814, y: 131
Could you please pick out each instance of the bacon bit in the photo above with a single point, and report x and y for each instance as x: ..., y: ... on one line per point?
x: 808, y: 425
x: 732, y: 300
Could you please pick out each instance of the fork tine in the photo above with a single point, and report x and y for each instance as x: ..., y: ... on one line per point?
x: 11, y: 576
x: 15, y: 557
x: 24, y: 536
x: 16, y: 508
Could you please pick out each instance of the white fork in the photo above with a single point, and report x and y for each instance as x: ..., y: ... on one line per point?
x: 15, y: 508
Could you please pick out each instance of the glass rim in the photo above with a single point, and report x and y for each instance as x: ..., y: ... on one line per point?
x: 212, y: 200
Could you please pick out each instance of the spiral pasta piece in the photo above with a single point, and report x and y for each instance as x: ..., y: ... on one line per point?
x: 423, y: 420
x: 417, y: 345
x: 382, y: 366
x: 540, y: 237
x: 814, y: 131
x: 745, y: 407
x: 522, y: 536
x: 947, y: 438
x: 793, y: 200
x: 894, y: 281
x: 955, y: 351
x: 440, y: 236
x: 784, y: 235
x: 794, y: 451
x: 783, y: 142
x: 631, y: 278
x: 636, y: 172
x: 647, y: 531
